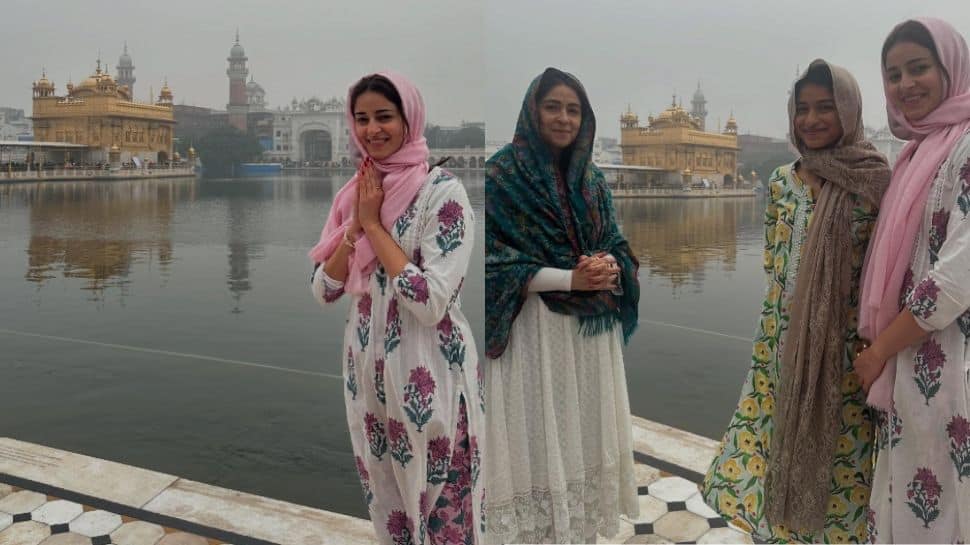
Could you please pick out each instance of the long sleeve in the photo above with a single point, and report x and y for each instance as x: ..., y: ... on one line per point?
x: 771, y: 218
x: 551, y: 279
x: 939, y: 298
x: 325, y: 289
x: 428, y: 289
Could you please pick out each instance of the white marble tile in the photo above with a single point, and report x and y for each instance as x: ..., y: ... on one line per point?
x: 672, y: 445
x: 673, y: 489
x: 5, y: 490
x: 83, y: 474
x: 681, y: 526
x: 695, y: 504
x: 69, y: 538
x: 57, y: 512
x: 258, y: 517
x: 138, y: 533
x: 25, y: 533
x: 23, y: 501
x: 650, y: 510
x: 725, y: 535
x: 96, y: 523
x: 6, y: 519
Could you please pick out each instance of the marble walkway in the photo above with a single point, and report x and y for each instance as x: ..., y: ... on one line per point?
x: 53, y: 497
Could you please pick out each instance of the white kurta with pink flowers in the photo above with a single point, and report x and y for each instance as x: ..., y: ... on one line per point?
x: 921, y: 487
x: 412, y: 381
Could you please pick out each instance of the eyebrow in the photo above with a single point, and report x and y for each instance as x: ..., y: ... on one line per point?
x: 557, y: 101
x: 382, y: 111
x: 909, y: 62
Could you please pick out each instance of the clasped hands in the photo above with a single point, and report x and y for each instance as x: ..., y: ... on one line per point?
x: 597, y: 272
x: 370, y: 197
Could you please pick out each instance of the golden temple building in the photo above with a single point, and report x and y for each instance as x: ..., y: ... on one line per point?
x: 104, y: 116
x: 675, y: 141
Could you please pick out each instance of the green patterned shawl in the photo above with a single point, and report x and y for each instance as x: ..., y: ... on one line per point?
x: 534, y: 219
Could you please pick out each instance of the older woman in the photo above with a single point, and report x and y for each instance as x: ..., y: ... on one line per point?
x: 562, y: 292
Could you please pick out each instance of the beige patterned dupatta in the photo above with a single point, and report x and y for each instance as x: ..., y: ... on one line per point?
x: 809, y: 399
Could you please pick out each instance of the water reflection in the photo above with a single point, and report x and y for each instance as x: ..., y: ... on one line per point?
x: 678, y: 238
x: 211, y: 268
x: 97, y: 232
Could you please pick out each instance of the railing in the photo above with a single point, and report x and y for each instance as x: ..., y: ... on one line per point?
x: 680, y: 193
x: 95, y: 173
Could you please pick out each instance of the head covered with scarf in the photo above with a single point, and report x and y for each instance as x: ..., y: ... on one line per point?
x: 812, y: 360
x: 541, y: 212
x: 931, y: 139
x: 404, y: 172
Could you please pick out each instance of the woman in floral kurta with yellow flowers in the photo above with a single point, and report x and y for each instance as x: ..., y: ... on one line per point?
x: 739, y: 482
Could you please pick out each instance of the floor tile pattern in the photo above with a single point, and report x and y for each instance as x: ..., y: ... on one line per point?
x: 31, y: 518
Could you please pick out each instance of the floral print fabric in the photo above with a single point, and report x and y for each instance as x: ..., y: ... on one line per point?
x: 412, y: 379
x: 734, y: 485
x: 921, y: 489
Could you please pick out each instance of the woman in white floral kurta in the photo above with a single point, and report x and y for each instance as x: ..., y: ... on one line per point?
x: 923, y: 461
x: 412, y: 381
x: 921, y: 484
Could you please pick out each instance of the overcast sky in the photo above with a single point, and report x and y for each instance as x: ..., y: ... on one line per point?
x: 471, y: 59
x: 295, y: 48
x: 745, y: 53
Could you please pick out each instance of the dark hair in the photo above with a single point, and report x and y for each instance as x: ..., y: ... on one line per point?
x: 381, y: 85
x: 552, y: 78
x: 915, y: 33
x: 819, y: 74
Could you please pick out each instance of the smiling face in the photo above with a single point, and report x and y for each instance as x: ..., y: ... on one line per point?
x: 379, y: 125
x: 913, y: 80
x: 560, y: 115
x: 817, y: 122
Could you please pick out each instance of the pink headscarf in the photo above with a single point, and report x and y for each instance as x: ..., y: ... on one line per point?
x: 931, y: 141
x: 404, y: 173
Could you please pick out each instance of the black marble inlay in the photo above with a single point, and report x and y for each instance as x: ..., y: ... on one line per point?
x: 60, y: 529
x: 22, y: 517
x: 717, y: 522
x: 643, y: 528
x: 101, y: 540
x: 642, y: 491
x: 676, y: 506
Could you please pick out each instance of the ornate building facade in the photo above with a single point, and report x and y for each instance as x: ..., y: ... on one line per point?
x: 102, y: 114
x: 311, y: 131
x: 675, y: 141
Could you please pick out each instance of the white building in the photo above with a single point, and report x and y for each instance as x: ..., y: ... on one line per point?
x: 311, y: 131
x: 886, y: 143
x: 14, y: 125
x: 606, y: 151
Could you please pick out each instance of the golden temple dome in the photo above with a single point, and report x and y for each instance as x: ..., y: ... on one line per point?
x: 43, y: 82
x: 628, y: 118
x: 674, y: 116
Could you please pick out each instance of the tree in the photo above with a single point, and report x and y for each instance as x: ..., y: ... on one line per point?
x: 222, y: 149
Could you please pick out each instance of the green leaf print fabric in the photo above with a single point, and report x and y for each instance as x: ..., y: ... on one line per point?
x: 734, y: 484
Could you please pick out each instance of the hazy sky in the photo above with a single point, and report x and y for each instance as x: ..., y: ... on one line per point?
x: 471, y: 59
x: 295, y: 48
x: 640, y: 52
